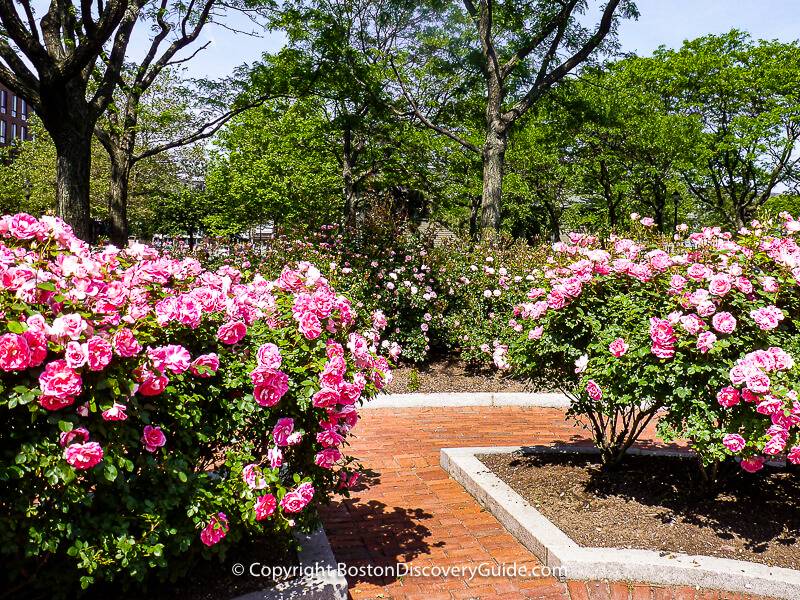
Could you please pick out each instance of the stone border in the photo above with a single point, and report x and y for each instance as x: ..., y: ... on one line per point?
x: 453, y: 399
x: 555, y: 549
x: 320, y: 578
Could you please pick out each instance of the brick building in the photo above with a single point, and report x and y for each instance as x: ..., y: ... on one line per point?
x: 14, y: 112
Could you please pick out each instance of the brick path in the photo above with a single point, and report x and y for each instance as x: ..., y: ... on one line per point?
x: 413, y: 512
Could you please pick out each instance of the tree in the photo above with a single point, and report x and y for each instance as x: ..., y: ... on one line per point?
x: 274, y: 164
x: 523, y: 50
x: 746, y: 95
x: 176, y: 27
x: 29, y: 179
x: 629, y: 145
x: 75, y: 77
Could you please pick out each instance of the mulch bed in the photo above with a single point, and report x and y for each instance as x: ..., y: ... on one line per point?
x: 655, y: 503
x: 455, y: 376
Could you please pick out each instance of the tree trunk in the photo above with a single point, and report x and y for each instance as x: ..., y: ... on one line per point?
x: 73, y: 166
x: 494, y: 154
x: 474, y: 213
x: 118, y: 199
x: 348, y: 185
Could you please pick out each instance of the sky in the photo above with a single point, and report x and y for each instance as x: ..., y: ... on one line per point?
x: 667, y: 22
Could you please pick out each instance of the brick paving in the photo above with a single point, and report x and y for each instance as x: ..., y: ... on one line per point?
x: 412, y: 512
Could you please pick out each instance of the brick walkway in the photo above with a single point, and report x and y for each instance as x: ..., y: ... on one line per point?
x: 412, y: 512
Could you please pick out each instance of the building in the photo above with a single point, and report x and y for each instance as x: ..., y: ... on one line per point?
x: 14, y: 113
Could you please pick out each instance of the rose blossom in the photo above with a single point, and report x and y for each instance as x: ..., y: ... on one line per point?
x: 297, y: 499
x: 264, y: 506
x: 733, y: 442
x: 59, y: 381
x: 231, y: 332
x: 594, y: 391
x: 216, y: 529
x: 65, y: 438
x: 15, y: 353
x: 269, y: 386
x: 125, y: 343
x: 275, y: 457
x: 205, y: 365
x: 724, y: 322
x: 327, y: 458
x: 269, y: 356
x: 728, y: 396
x: 282, y: 430
x: 253, y: 477
x: 115, y: 413
x: 753, y: 464
x: 618, y: 347
x: 83, y: 456
x: 705, y: 341
x: 153, y: 438
x: 98, y: 353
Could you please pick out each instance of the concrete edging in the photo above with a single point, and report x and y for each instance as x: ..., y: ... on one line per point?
x: 453, y: 399
x: 320, y: 578
x: 555, y: 549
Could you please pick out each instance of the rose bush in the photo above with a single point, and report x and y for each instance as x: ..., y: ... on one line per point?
x: 678, y: 326
x: 156, y: 411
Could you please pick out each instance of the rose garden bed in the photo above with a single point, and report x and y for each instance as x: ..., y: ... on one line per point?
x: 555, y: 522
x: 649, y: 504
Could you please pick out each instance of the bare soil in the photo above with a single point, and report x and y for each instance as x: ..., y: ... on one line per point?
x: 658, y: 503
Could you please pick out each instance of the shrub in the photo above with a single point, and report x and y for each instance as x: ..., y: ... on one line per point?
x: 649, y: 328
x: 156, y: 411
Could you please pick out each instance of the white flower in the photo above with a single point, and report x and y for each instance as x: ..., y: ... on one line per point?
x: 582, y: 363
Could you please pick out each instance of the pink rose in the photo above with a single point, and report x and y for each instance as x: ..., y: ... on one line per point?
x: 724, y: 322
x: 83, y: 456
x: 153, y: 438
x: 205, y: 365
x: 794, y: 455
x: 757, y: 382
x: 125, y: 344
x: 264, y: 506
x: 594, y: 391
x: 327, y: 458
x: 37, y: 345
x: 297, y: 499
x: 153, y: 384
x: 309, y: 325
x: 173, y: 358
x: 253, y: 477
x: 59, y: 381
x: 76, y: 355
x: 282, y: 430
x: 269, y: 385
x: 720, y: 284
x: 115, y: 413
x: 728, y: 396
x: 325, y: 397
x: 269, y: 356
x: 753, y: 464
x: 216, y: 529
x: 232, y: 332
x: 65, y: 438
x: 733, y: 442
x: 24, y: 227
x: 15, y: 354
x: 98, y: 352
x: 705, y: 341
x: 69, y: 326
x: 275, y: 457
x: 618, y: 347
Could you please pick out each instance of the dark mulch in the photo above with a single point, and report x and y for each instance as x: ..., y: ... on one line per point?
x: 656, y: 503
x: 455, y: 376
